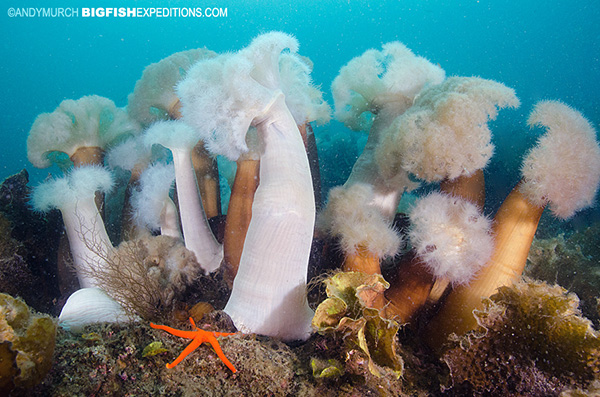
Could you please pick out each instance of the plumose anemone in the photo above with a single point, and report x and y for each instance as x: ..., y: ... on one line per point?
x: 569, y: 142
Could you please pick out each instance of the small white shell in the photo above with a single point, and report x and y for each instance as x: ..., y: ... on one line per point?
x: 90, y: 306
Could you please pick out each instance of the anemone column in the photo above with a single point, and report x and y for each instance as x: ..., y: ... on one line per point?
x: 277, y: 246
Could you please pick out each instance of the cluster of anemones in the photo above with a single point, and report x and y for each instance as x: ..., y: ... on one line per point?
x: 248, y: 106
x: 253, y: 108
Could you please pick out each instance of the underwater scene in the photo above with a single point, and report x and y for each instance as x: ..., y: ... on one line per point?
x: 279, y: 198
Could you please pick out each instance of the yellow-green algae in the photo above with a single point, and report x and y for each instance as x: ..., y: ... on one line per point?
x: 532, y: 340
x: 91, y: 337
x: 322, y: 368
x: 153, y: 349
x: 346, y: 313
x: 29, y: 338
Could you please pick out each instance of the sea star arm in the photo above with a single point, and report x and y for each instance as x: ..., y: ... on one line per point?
x: 218, y: 334
x: 176, y: 332
x: 215, y: 344
x: 190, y: 348
x: 198, y: 337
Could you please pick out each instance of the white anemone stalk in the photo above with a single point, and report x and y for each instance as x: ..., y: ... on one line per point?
x: 74, y: 196
x: 222, y: 98
x: 181, y: 139
x: 269, y: 291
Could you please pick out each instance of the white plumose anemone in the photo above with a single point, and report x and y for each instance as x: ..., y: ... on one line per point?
x: 180, y: 138
x: 564, y: 168
x: 451, y: 237
x: 222, y: 98
x: 74, y: 196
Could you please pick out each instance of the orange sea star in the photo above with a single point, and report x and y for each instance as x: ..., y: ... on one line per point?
x: 198, y: 336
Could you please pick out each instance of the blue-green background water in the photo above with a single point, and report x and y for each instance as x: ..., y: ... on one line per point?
x: 544, y: 50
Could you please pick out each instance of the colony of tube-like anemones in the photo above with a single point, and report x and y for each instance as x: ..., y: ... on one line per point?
x: 252, y: 110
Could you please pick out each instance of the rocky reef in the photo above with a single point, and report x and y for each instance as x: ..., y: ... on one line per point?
x: 115, y: 359
x: 28, y: 247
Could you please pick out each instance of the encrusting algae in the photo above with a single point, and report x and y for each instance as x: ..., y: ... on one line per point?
x: 570, y: 261
x: 531, y: 340
x: 26, y: 345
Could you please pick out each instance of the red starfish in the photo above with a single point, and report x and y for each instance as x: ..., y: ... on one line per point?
x: 198, y: 336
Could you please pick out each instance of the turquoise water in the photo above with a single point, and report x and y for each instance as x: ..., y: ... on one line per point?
x: 544, y: 50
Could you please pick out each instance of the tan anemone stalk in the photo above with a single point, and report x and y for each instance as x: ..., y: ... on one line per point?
x: 239, y: 211
x: 154, y: 99
x: 381, y: 84
x: 207, y: 177
x: 469, y: 187
x: 451, y: 240
x: 570, y: 142
x: 443, y: 137
x: 269, y: 291
x: 416, y: 285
